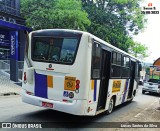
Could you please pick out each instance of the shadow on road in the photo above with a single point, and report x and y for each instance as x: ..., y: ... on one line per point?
x: 60, y: 119
x: 152, y: 94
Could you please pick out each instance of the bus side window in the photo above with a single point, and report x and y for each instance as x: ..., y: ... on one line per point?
x: 125, y: 73
x: 96, y: 52
x: 114, y: 58
x: 127, y: 62
x: 138, y: 69
x: 116, y: 64
x: 119, y: 59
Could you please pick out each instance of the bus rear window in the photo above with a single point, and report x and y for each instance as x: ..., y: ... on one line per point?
x: 54, y: 50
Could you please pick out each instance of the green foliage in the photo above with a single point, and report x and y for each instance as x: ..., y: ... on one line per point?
x: 114, y: 21
x: 148, y: 71
x: 54, y: 14
x: 154, y: 77
x: 139, y: 50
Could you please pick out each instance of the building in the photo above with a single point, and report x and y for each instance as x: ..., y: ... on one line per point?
x: 12, y: 38
x: 157, y: 62
x: 155, y: 69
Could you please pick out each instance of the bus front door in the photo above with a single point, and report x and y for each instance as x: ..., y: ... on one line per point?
x: 133, y: 64
x: 105, y: 74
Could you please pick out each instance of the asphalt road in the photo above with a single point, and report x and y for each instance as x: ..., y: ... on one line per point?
x: 12, y: 109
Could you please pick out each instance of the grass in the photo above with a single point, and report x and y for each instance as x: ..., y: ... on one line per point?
x: 154, y: 77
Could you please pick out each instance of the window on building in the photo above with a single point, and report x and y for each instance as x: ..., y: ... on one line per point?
x: 2, y: 5
x: 8, y: 6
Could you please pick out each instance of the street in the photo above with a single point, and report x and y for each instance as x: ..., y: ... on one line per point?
x: 141, y: 109
x: 14, y: 110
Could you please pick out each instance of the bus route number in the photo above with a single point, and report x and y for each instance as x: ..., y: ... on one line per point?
x: 69, y: 83
x: 116, y: 86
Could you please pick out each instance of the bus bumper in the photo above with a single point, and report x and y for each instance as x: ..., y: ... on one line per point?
x: 77, y: 107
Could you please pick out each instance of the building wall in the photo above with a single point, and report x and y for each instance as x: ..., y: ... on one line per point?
x: 10, y: 6
x: 157, y: 62
x: 10, y: 13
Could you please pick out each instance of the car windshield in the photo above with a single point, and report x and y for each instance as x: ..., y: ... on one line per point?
x: 154, y: 80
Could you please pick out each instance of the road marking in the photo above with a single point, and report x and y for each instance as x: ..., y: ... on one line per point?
x: 137, y: 115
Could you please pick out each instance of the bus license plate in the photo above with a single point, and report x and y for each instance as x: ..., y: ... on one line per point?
x: 46, y: 104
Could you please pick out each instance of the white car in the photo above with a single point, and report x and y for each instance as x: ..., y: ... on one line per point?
x: 152, y: 86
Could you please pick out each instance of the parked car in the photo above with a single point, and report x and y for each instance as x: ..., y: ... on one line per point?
x: 152, y: 86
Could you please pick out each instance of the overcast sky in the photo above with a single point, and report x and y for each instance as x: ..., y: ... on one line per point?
x: 151, y: 35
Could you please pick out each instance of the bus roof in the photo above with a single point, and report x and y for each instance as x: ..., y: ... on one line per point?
x: 87, y: 33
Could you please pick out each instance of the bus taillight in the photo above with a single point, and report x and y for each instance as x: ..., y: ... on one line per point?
x: 77, y: 81
x: 77, y: 84
x: 25, y: 77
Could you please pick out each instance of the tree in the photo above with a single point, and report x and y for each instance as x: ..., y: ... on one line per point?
x: 138, y: 50
x: 147, y: 71
x: 115, y: 21
x: 54, y: 14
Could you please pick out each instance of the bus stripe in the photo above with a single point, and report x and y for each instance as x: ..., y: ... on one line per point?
x: 40, y: 85
x: 125, y: 91
x: 92, y: 84
x: 50, y: 81
x: 95, y: 89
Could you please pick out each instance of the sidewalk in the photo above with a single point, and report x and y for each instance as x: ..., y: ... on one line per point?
x: 150, y: 116
x: 7, y: 87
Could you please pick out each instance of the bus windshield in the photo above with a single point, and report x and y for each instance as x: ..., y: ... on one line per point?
x: 54, y: 50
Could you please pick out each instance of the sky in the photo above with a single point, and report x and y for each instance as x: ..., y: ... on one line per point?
x: 151, y: 34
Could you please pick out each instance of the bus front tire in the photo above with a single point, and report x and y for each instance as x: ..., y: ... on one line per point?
x: 111, y: 105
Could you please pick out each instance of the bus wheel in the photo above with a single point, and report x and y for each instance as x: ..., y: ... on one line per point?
x: 111, y: 105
